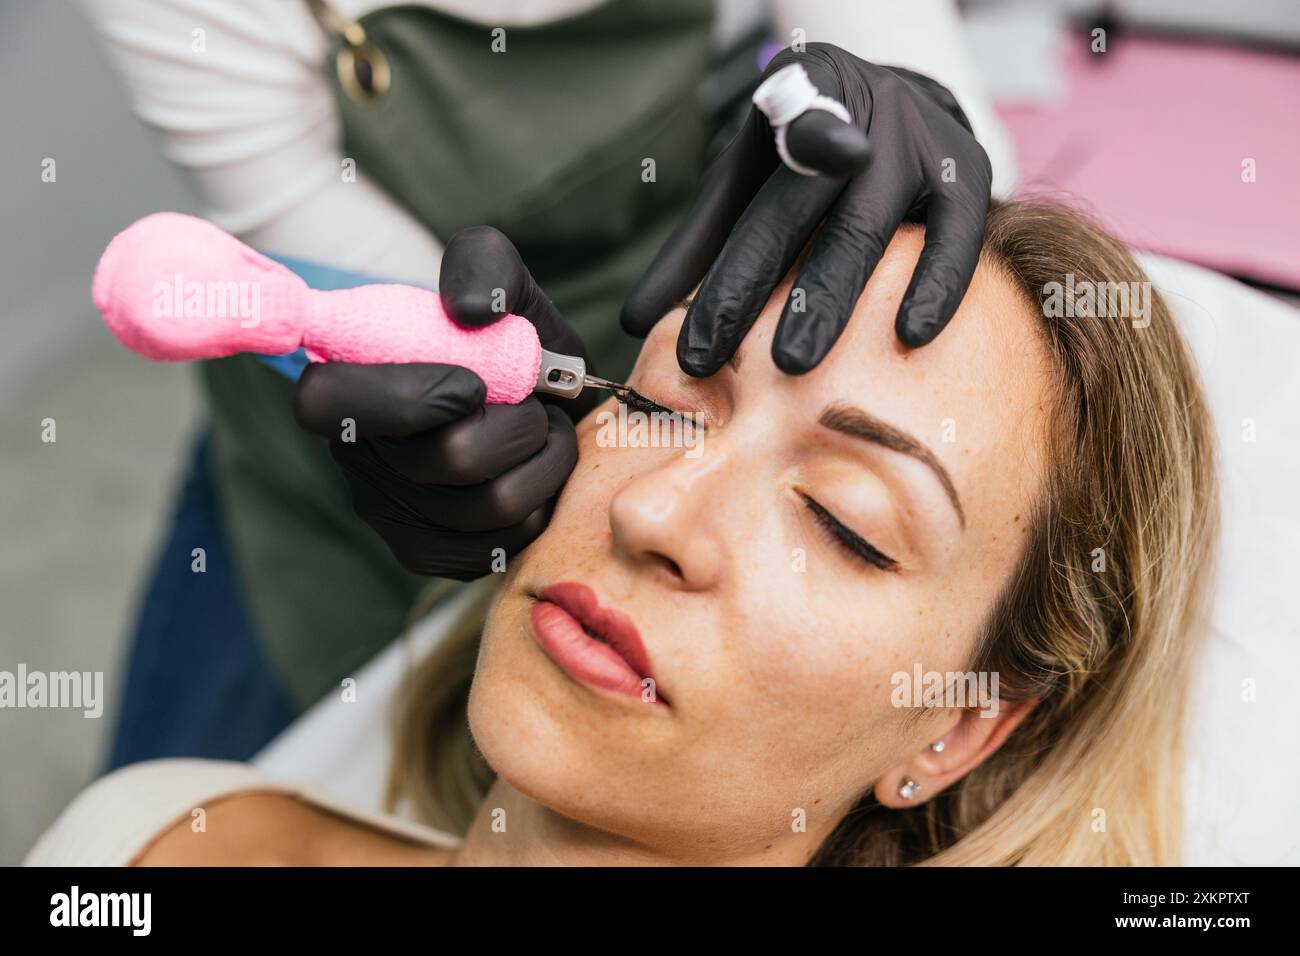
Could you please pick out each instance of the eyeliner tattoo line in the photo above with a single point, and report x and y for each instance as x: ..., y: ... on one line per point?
x: 639, y: 403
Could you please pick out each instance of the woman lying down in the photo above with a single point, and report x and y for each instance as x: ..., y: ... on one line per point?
x: 932, y: 606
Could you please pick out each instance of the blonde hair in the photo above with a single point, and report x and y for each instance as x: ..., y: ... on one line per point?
x: 1093, y: 776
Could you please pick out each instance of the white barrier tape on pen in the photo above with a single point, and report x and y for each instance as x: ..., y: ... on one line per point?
x: 785, y: 96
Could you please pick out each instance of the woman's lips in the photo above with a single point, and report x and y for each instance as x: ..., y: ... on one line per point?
x: 564, y: 619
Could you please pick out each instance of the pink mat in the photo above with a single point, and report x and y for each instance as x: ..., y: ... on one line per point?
x: 1151, y: 137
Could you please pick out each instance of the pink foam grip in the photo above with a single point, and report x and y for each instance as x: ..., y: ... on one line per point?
x: 173, y: 287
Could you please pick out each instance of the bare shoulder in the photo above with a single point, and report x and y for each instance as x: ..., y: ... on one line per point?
x: 194, y: 812
x: 267, y: 828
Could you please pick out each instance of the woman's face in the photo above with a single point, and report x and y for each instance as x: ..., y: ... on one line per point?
x: 827, y: 532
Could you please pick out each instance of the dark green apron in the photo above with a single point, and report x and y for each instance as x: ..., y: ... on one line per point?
x: 546, y: 141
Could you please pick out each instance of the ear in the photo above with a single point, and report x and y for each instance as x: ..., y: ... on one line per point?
x: 965, y: 745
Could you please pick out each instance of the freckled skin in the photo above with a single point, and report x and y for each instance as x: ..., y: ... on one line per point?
x: 779, y: 680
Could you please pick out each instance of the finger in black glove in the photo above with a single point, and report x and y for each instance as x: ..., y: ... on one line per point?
x: 444, y: 479
x: 753, y: 216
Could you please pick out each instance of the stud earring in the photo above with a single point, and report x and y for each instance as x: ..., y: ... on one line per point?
x: 937, y: 746
x: 909, y: 789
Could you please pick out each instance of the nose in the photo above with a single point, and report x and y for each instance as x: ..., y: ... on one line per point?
x: 667, y: 519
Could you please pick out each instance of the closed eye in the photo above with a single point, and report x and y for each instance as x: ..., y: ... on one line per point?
x: 637, y: 402
x: 848, y: 539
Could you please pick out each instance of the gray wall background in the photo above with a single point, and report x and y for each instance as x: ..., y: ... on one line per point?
x: 79, y: 518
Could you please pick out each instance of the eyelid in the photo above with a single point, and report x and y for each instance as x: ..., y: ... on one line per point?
x: 634, y: 398
x: 849, y: 539
x: 688, y: 417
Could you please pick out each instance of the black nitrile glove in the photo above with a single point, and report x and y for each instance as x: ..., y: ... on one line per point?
x: 443, y: 478
x: 886, y: 167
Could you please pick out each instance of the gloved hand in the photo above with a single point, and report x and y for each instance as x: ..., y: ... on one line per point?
x: 443, y: 478
x: 760, y: 214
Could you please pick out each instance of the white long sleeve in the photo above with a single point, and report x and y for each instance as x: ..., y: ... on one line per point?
x: 244, y: 110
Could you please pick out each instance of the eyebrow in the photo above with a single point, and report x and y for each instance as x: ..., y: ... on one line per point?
x: 854, y: 422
